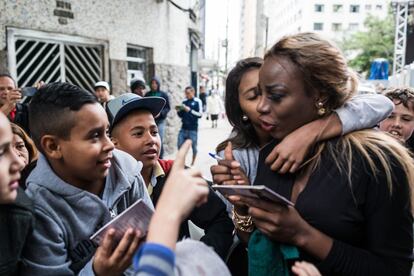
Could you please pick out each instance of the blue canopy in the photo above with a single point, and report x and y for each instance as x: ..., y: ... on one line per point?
x: 379, y: 69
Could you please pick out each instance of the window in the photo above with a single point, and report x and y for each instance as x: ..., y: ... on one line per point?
x: 368, y: 7
x: 378, y: 7
x: 138, y: 59
x: 336, y: 27
x: 54, y: 57
x: 354, y: 8
x: 337, y: 8
x: 317, y: 26
x: 353, y: 26
x: 319, y: 8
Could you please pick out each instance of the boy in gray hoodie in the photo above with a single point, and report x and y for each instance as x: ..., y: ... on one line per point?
x: 79, y: 184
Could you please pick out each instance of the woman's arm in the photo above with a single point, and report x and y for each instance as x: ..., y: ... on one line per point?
x: 364, y: 111
x: 361, y: 111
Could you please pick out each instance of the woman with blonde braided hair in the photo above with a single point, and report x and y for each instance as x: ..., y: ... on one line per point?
x: 352, y: 197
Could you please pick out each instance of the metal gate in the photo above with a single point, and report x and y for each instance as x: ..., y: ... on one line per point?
x: 35, y: 56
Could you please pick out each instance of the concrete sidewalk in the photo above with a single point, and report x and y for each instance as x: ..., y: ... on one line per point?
x: 208, y: 139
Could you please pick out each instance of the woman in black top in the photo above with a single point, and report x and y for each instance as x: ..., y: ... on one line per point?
x: 352, y: 213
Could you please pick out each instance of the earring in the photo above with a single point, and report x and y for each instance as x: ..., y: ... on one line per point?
x: 245, y: 118
x: 321, y: 109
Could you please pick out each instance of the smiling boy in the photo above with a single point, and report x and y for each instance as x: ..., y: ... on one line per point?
x: 400, y: 124
x: 79, y: 184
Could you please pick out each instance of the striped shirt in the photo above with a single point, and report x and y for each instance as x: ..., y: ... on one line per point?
x: 155, y: 260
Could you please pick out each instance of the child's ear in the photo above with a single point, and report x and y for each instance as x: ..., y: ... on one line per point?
x: 114, y: 141
x: 50, y: 146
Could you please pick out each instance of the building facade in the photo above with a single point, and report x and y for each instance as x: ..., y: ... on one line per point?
x: 85, y: 41
x: 333, y: 19
x: 248, y: 20
x: 263, y: 22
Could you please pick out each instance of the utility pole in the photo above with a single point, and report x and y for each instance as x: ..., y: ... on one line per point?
x: 218, y: 65
x: 226, y: 45
x: 400, y: 8
x: 266, y: 35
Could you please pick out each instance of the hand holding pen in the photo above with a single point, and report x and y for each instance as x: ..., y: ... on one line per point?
x: 228, y: 171
x: 215, y: 156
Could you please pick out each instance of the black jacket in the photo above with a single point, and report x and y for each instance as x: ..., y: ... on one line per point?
x: 22, y: 117
x: 16, y: 222
x: 164, y: 112
x: 212, y: 217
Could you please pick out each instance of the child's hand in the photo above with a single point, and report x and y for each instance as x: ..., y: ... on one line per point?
x: 110, y: 261
x: 289, y: 154
x: 184, y: 188
x: 228, y: 171
x: 305, y: 269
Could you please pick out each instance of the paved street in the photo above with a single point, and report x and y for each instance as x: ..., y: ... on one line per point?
x: 208, y: 139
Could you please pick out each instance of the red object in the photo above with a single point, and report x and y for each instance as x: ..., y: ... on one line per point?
x: 12, y: 115
x: 166, y: 165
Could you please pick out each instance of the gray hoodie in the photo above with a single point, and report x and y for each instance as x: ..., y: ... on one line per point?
x: 67, y: 216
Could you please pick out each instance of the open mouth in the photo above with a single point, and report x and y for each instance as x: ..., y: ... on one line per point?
x: 151, y: 152
x: 267, y: 126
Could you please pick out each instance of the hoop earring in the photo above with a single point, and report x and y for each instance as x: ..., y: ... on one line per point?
x: 245, y: 118
x: 321, y: 109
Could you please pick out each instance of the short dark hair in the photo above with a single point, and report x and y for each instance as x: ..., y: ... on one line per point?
x: 7, y: 75
x: 189, y: 88
x: 245, y: 135
x: 50, y: 110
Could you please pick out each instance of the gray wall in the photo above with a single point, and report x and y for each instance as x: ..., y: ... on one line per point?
x: 150, y: 23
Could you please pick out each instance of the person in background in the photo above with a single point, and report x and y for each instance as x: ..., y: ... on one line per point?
x: 16, y: 210
x: 25, y: 148
x: 203, y: 97
x: 23, y: 145
x: 400, y: 124
x: 155, y: 91
x: 102, y: 92
x: 10, y: 97
x: 189, y: 112
x: 137, y: 87
x: 214, y: 107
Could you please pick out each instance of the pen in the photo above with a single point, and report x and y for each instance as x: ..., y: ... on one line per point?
x: 215, y: 156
